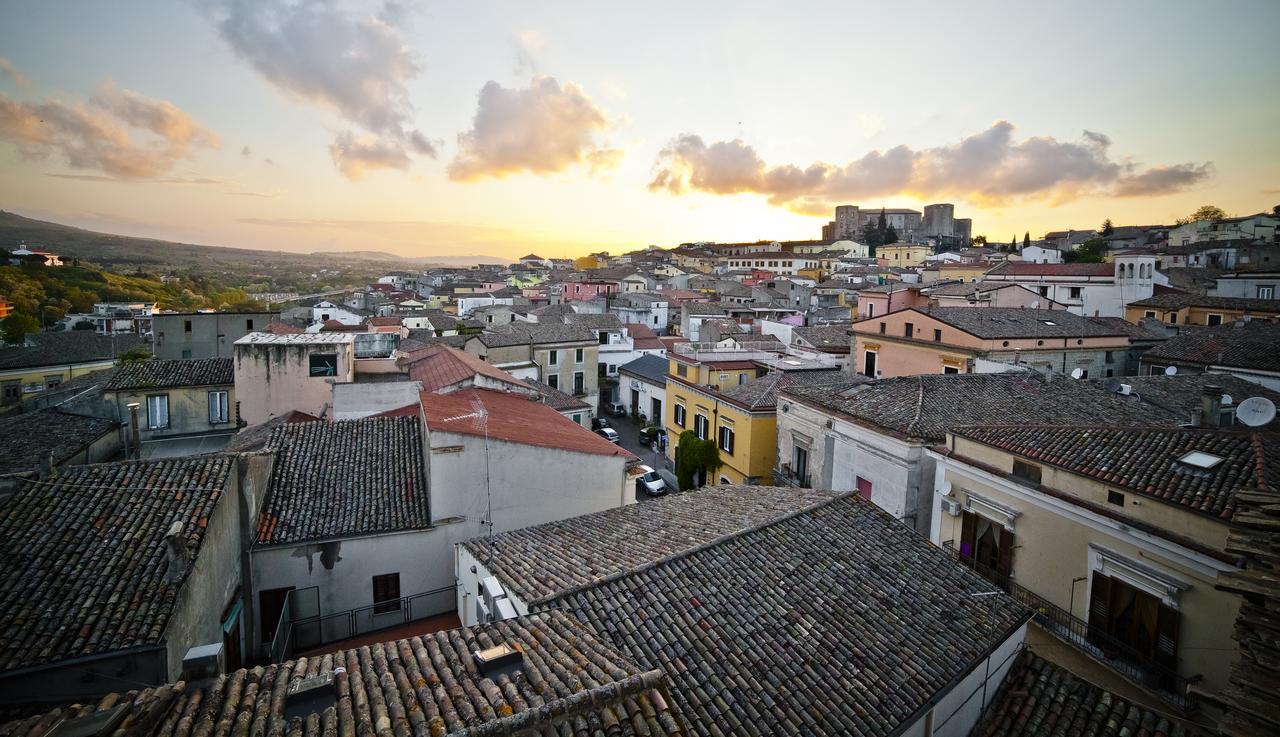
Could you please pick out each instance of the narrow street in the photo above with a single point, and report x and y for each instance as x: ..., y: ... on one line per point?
x: 629, y: 429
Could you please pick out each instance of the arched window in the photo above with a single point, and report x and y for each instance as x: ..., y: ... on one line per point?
x: 1130, y: 271
x: 1119, y: 271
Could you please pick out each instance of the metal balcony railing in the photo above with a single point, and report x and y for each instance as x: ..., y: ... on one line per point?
x: 784, y: 476
x: 1104, y: 648
x: 311, y: 632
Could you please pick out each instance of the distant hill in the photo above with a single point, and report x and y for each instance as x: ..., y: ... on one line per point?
x: 117, y: 251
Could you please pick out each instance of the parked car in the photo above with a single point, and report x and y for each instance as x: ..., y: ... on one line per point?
x: 651, y: 482
x: 616, y: 409
x: 650, y: 436
x: 608, y: 433
x: 599, y: 423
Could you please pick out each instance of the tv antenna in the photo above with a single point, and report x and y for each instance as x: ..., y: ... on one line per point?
x: 1256, y: 411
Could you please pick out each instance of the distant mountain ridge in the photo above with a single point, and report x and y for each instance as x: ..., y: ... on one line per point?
x: 108, y: 248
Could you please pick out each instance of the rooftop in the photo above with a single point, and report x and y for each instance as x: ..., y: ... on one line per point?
x: 332, y: 338
x: 514, y: 419
x: 928, y: 406
x: 1181, y: 393
x: 994, y: 323
x: 61, y: 349
x: 1180, y: 300
x: 1152, y: 461
x: 1249, y: 346
x: 522, y: 333
x: 556, y: 399
x: 1024, y: 268
x: 833, y: 620
x: 156, y: 374
x: 651, y: 367
x: 828, y: 338
x: 441, y: 366
x: 84, y: 557
x: 348, y: 478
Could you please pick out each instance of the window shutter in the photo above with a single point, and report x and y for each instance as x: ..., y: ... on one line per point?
x: 967, y: 524
x: 1004, y: 566
x: 213, y: 407
x: 1099, y: 606
x: 1167, y: 638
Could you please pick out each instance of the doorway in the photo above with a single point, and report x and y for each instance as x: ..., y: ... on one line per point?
x: 271, y: 605
x: 869, y: 364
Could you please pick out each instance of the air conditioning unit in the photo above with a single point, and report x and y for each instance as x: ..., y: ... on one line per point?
x: 492, y: 591
x: 505, y: 610
x: 951, y: 507
x: 482, y: 612
x: 1126, y: 389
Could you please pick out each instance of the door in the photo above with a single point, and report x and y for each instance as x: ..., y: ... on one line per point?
x: 869, y: 364
x: 270, y: 607
x: 635, y: 401
x: 655, y: 411
x: 987, y: 546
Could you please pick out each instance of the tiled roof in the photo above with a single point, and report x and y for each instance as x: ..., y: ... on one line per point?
x: 419, y: 339
x: 541, y: 562
x: 345, y: 479
x: 383, y: 321
x: 1040, y: 698
x: 256, y: 437
x: 438, y: 367
x: 1135, y: 332
x: 969, y: 289
x: 1181, y: 393
x: 570, y: 683
x: 282, y: 328
x: 993, y: 323
x: 595, y: 321
x: 1251, y: 346
x: 1146, y: 460
x: 70, y: 347
x: 930, y: 405
x: 176, y: 373
x: 828, y: 338
x: 84, y: 557
x: 836, y: 620
x: 522, y: 333
x: 28, y: 435
x: 1023, y: 268
x: 1179, y: 300
x: 651, y: 367
x: 643, y: 337
x: 556, y: 399
x: 514, y: 419
x: 762, y: 393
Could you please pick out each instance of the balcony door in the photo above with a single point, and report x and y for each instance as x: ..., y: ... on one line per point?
x: 988, y: 545
x: 1134, y: 623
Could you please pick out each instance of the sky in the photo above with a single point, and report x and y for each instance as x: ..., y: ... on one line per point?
x: 499, y: 129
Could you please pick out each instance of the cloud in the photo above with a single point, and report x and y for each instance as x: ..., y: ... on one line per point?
x: 542, y: 129
x: 7, y: 69
x: 991, y: 167
x: 121, y: 133
x: 160, y: 180
x: 357, y: 65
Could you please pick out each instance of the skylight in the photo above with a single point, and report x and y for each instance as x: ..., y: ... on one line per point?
x: 1200, y: 459
x: 1048, y: 322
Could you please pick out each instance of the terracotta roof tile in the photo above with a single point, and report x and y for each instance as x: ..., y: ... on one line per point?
x: 28, y: 435
x: 1251, y: 346
x: 441, y: 366
x: 514, y: 419
x: 171, y: 374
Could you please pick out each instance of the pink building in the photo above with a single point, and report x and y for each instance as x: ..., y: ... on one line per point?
x: 885, y: 298
x: 576, y: 290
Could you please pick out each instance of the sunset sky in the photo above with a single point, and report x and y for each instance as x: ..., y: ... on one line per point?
x: 503, y: 128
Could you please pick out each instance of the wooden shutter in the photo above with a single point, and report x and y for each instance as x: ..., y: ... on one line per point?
x: 1167, y: 638
x: 1099, y: 606
x: 1004, y: 566
x: 968, y: 523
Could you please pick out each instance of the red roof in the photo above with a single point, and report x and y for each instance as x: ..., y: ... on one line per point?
x: 683, y: 295
x: 384, y: 321
x: 644, y: 337
x: 281, y: 328
x: 439, y: 366
x: 514, y: 419
x: 1016, y: 268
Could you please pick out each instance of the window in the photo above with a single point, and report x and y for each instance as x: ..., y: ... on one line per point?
x: 323, y: 364
x: 937, y: 336
x: 386, y: 593
x: 1116, y: 498
x: 157, y: 411
x: 610, y: 368
x: 1110, y: 357
x: 883, y: 329
x: 1173, y: 318
x: 871, y: 310
x: 186, y: 325
x: 1110, y: 373
x: 1150, y: 313
x: 742, y: 379
x: 800, y: 463
x: 579, y: 383
x: 553, y: 381
x: 1135, y: 618
x: 248, y: 324
x: 909, y: 330
x: 1200, y: 459
x: 950, y: 370
x: 1074, y: 292
x: 577, y: 418
x: 725, y: 439
x: 52, y: 382
x: 1212, y: 320
x: 553, y: 358
x: 864, y: 487
x: 1266, y: 291
x: 680, y: 415
x: 218, y: 408
x: 682, y: 370
x: 1026, y: 472
x: 700, y: 425
x: 987, y: 543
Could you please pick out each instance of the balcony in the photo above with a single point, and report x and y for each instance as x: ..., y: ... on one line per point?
x: 784, y: 476
x: 1136, y: 667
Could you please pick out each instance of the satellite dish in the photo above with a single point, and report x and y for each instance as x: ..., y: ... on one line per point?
x: 1256, y: 411
x: 1112, y: 385
x: 946, y: 488
x: 1170, y: 371
x: 1035, y: 304
x: 1077, y: 373
x: 1226, y: 400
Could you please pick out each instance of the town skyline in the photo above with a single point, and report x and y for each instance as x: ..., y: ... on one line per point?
x: 481, y: 131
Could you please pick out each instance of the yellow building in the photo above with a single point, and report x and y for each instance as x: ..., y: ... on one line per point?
x: 588, y: 263
x: 903, y: 254
x: 734, y: 403
x: 1194, y: 309
x: 50, y: 359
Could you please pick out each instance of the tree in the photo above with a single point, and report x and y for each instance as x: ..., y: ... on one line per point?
x: 1204, y: 212
x: 978, y: 240
x: 136, y: 353
x: 890, y: 236
x: 19, y: 325
x: 1107, y: 228
x: 1026, y: 239
x: 1091, y: 251
x: 694, y: 456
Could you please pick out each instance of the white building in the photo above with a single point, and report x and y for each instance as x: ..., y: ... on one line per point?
x: 652, y: 310
x: 642, y: 387
x: 1041, y: 255
x: 278, y: 374
x: 325, y: 310
x: 1092, y: 290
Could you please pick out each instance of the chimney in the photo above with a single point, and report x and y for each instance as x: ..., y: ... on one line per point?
x: 176, y: 550
x: 1211, y: 406
x: 46, y: 464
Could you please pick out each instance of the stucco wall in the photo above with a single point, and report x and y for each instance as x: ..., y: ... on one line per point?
x: 188, y: 410
x: 273, y: 379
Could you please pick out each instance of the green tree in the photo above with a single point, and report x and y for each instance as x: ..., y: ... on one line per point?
x: 890, y: 236
x: 1026, y: 239
x: 1204, y: 212
x: 18, y: 325
x: 978, y: 240
x: 1091, y: 251
x: 1107, y: 228
x: 136, y: 353
x: 693, y: 456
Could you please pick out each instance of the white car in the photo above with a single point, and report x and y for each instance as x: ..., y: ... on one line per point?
x: 608, y: 433
x: 651, y: 482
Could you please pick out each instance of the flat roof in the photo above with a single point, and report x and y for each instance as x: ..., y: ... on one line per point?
x: 296, y: 339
